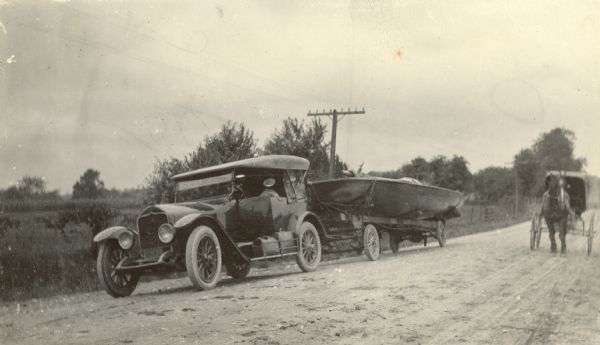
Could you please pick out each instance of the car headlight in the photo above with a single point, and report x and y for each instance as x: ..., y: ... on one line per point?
x: 166, y: 232
x: 125, y: 240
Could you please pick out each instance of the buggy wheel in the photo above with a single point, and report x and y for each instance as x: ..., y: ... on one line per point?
x: 237, y: 269
x: 394, y: 242
x: 371, y: 242
x: 533, y: 238
x: 309, y: 248
x: 116, y: 283
x: 440, y: 233
x: 203, y: 258
x: 591, y: 235
x: 538, y: 231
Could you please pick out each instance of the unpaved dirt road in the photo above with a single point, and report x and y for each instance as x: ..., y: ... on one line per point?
x: 481, y: 289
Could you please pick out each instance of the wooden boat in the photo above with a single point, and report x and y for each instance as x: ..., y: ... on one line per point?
x: 384, y: 197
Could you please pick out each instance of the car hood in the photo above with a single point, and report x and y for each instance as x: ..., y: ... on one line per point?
x: 176, y: 211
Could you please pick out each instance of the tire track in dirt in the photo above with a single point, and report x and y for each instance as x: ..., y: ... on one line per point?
x: 482, y: 289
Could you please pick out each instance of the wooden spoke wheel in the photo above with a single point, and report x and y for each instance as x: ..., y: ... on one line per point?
x: 538, y: 231
x: 590, y: 235
x: 203, y: 258
x: 535, y: 233
x: 440, y: 233
x: 309, y: 248
x: 116, y: 283
x: 371, y: 242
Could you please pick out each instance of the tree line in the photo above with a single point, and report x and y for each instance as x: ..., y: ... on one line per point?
x: 553, y: 150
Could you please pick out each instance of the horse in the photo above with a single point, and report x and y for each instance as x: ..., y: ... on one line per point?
x: 556, y: 211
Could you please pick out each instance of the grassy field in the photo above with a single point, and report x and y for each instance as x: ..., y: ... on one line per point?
x: 48, y: 252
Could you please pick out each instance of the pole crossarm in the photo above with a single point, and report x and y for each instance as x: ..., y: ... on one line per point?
x: 336, y: 112
x: 333, y: 114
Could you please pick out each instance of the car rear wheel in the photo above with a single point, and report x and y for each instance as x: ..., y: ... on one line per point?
x: 309, y: 248
x: 371, y: 242
x: 237, y: 269
x: 116, y: 283
x: 203, y: 258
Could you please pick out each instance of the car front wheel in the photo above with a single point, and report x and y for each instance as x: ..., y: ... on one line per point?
x: 309, y: 248
x: 203, y: 258
x: 116, y: 283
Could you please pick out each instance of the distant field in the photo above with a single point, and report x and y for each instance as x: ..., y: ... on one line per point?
x: 48, y: 251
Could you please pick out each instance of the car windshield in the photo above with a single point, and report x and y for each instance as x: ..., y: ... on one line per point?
x: 205, y: 188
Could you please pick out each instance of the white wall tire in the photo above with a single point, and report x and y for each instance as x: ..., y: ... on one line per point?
x: 309, y: 248
x: 116, y: 283
x: 203, y: 258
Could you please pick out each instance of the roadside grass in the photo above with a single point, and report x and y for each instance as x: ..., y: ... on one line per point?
x: 49, y: 252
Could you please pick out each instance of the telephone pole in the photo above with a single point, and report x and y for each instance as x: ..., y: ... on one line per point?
x: 334, y: 121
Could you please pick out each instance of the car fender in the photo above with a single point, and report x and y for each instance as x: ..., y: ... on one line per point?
x: 113, y: 233
x: 190, y: 221
x: 187, y: 220
x: 310, y: 217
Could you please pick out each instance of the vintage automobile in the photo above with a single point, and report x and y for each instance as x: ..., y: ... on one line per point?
x: 231, y: 214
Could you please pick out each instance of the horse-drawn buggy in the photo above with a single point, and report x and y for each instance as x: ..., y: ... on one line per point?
x: 563, y: 204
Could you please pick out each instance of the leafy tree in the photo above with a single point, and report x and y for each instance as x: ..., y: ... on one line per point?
x: 158, y: 187
x: 418, y: 169
x: 305, y: 140
x: 494, y: 183
x: 440, y: 171
x: 555, y: 150
x: 528, y: 171
x: 30, y: 186
x: 458, y: 176
x: 89, y: 185
x: 232, y: 142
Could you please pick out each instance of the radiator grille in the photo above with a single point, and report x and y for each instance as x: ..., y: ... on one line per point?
x: 148, y: 228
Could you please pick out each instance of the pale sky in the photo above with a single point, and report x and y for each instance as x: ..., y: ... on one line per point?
x: 115, y: 85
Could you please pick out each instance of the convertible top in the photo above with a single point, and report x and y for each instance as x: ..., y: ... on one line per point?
x: 281, y: 162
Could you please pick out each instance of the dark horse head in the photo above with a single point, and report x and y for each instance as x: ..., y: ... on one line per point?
x: 554, y: 205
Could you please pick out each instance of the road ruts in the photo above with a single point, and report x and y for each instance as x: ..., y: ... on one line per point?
x: 487, y: 288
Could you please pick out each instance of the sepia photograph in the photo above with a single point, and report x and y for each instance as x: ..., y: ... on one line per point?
x: 299, y: 172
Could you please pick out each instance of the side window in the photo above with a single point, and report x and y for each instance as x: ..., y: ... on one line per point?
x: 296, y: 178
x: 289, y: 187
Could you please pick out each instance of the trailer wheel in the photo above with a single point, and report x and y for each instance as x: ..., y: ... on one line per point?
x: 394, y: 242
x: 441, y: 233
x: 590, y: 235
x: 371, y: 242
